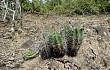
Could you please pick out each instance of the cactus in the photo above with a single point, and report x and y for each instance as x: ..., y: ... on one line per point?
x: 53, y: 45
x: 28, y: 54
x: 46, y: 34
x: 80, y: 35
x: 73, y: 36
x: 68, y: 40
x: 67, y: 32
x: 55, y: 39
x: 46, y: 52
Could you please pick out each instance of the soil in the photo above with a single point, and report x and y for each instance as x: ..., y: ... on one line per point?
x: 94, y: 52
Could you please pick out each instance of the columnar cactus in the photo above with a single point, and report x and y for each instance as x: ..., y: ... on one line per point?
x: 54, y: 44
x: 67, y: 41
x: 80, y: 35
x: 73, y: 38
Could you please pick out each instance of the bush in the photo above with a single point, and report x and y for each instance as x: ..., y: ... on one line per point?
x: 26, y: 6
x: 68, y: 7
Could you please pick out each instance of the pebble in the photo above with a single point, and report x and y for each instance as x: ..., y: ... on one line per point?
x: 68, y: 65
x: 20, y: 61
x: 2, y: 64
x: 10, y: 65
x: 11, y: 58
x: 14, y: 65
x: 107, y: 60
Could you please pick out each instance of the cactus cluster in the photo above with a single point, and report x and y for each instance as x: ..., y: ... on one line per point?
x: 53, y: 48
x: 67, y: 41
x: 73, y: 39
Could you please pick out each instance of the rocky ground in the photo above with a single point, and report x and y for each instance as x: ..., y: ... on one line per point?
x: 94, y: 53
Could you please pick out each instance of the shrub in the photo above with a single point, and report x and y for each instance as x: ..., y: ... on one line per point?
x: 68, y: 7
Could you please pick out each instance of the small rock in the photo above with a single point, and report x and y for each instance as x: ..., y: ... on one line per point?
x: 31, y: 44
x: 14, y: 65
x: 12, y: 29
x: 17, y: 65
x: 95, y: 51
x: 20, y: 31
x: 20, y: 61
x: 27, y: 44
x: 13, y: 54
x: 2, y: 64
x: 11, y: 59
x: 10, y: 65
x: 67, y: 65
x: 102, y: 31
x: 107, y: 60
x: 9, y: 62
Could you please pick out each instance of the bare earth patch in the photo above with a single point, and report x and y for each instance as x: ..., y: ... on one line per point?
x: 94, y: 53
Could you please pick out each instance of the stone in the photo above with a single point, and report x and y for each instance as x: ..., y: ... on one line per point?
x: 20, y: 61
x: 10, y: 65
x: 2, y: 64
x: 13, y: 54
x: 17, y: 65
x: 31, y: 44
x: 27, y: 44
x: 67, y: 65
x: 107, y: 60
x: 12, y: 29
x: 102, y: 31
x: 14, y: 65
x: 11, y: 58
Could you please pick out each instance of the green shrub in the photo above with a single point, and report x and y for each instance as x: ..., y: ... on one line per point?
x: 68, y: 7
x: 25, y: 5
